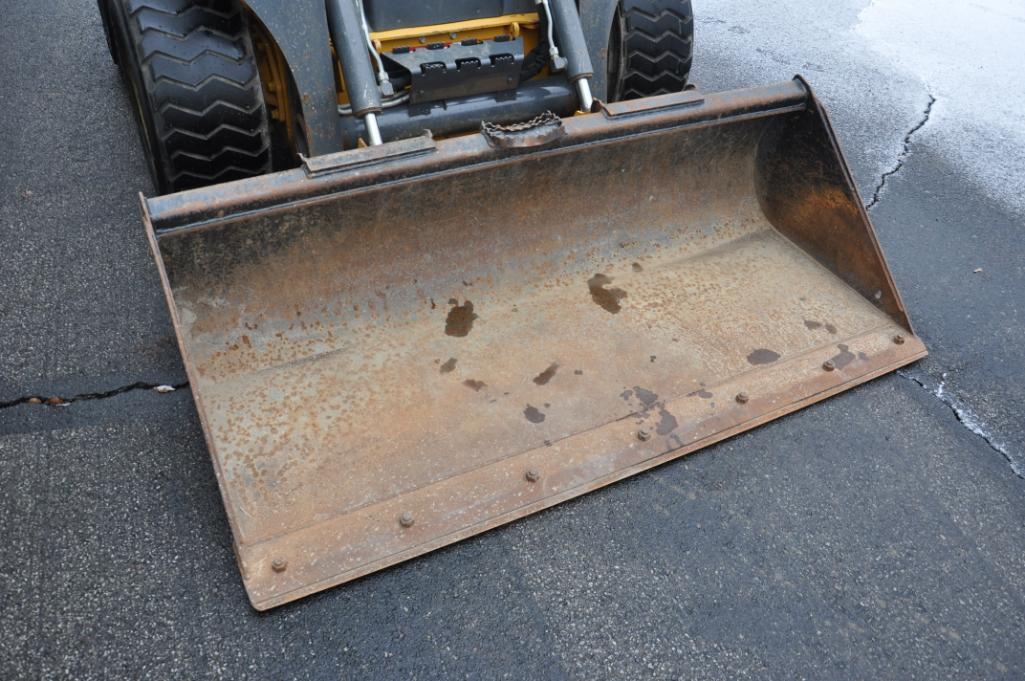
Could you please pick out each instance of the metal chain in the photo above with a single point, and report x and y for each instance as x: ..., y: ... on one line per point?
x: 541, y: 120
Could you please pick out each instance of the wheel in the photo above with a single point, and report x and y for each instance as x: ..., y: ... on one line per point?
x: 193, y: 80
x: 650, y: 48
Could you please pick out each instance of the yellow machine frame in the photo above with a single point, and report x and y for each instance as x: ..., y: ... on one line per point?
x: 277, y: 87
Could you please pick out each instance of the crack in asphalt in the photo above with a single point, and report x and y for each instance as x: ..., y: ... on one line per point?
x: 58, y: 401
x: 966, y: 417
x: 902, y: 157
x: 961, y: 411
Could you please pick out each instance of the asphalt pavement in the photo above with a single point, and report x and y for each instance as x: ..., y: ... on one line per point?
x: 879, y: 534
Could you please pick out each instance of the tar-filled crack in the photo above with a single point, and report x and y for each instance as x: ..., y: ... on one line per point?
x: 62, y: 401
x: 902, y: 157
x: 966, y: 418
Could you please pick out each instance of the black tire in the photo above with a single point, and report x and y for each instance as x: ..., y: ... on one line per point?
x: 650, y: 49
x: 193, y: 80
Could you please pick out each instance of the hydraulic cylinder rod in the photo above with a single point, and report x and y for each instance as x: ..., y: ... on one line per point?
x: 346, y: 26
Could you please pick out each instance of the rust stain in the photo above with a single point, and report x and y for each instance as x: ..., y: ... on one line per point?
x: 607, y: 298
x: 844, y: 357
x: 646, y: 397
x: 460, y: 319
x: 546, y: 375
x: 448, y: 366
x: 762, y: 356
x: 667, y: 422
x: 533, y: 414
x: 813, y: 325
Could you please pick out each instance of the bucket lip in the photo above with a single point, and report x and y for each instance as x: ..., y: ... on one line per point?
x: 197, y: 209
x: 329, y: 564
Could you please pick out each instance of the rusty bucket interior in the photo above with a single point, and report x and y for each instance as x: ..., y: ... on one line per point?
x: 396, y: 348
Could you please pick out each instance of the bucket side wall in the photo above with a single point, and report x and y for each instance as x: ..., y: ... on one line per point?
x: 806, y: 191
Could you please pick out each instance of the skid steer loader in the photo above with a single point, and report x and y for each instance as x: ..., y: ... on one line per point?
x: 435, y: 266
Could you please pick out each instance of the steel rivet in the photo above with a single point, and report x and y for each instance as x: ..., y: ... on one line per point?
x: 742, y: 398
x: 406, y: 519
x: 279, y: 564
x: 828, y: 365
x: 643, y: 435
x: 899, y: 339
x: 533, y: 475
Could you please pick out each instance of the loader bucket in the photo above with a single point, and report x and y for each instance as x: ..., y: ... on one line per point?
x: 395, y: 348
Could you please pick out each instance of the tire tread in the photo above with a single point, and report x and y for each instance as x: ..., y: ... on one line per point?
x: 203, y: 87
x: 658, y: 42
